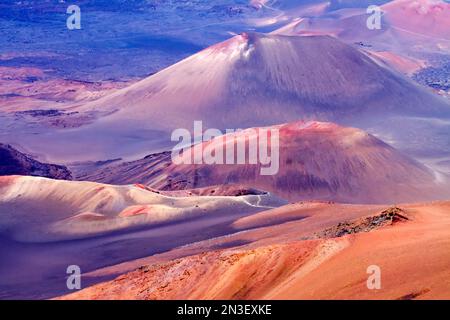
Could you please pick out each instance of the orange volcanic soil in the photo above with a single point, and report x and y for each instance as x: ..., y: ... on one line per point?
x: 313, y: 258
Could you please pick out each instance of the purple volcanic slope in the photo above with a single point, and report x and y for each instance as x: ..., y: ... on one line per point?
x: 407, y: 27
x: 255, y: 79
x: 317, y: 161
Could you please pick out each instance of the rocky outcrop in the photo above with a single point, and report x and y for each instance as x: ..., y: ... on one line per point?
x: 13, y: 162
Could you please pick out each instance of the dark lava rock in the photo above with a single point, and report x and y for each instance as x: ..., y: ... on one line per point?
x: 13, y: 162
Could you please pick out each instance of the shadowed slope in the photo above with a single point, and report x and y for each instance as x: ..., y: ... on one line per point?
x: 247, y: 81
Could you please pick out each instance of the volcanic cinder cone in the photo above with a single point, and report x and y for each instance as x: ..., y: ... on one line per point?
x: 317, y: 160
